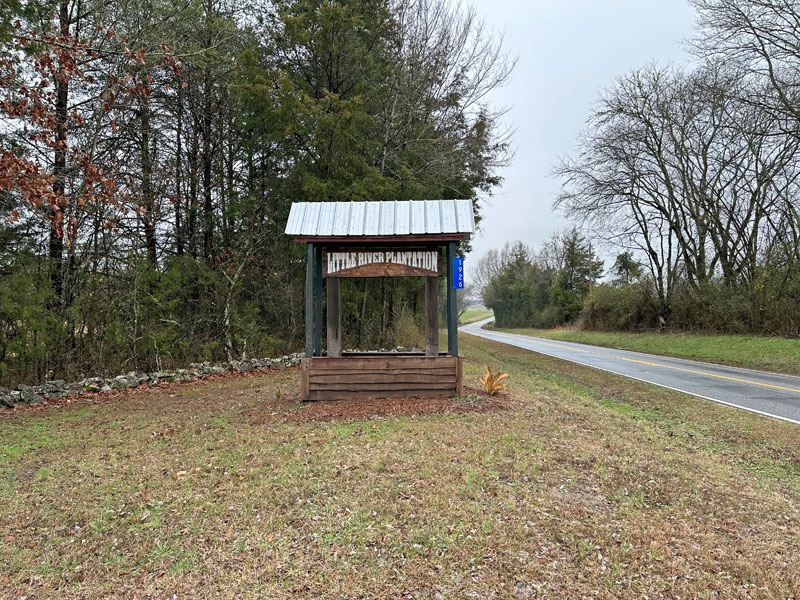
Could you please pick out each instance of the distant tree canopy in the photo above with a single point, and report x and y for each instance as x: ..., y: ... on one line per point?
x: 149, y: 153
x: 540, y: 289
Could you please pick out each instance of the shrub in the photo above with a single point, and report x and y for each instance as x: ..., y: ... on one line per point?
x: 629, y: 308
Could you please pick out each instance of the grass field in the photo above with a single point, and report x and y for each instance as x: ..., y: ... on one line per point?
x: 581, y: 484
x: 474, y: 314
x: 780, y: 355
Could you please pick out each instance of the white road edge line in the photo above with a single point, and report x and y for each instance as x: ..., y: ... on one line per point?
x: 669, y: 387
x: 580, y: 345
x: 567, y: 344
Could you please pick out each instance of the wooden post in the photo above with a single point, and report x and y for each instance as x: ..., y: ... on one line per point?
x: 459, y: 378
x: 309, y: 300
x: 305, y: 378
x: 334, y: 291
x: 318, y: 300
x: 452, y: 311
x: 431, y: 316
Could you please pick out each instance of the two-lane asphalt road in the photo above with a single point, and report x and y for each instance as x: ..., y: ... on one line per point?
x: 768, y: 394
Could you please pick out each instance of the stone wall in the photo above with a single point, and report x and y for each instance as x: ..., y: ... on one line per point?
x: 25, y: 395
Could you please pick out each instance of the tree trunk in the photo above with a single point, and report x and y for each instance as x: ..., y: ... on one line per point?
x: 148, y: 202
x: 191, y: 232
x: 178, y: 174
x: 229, y: 174
x: 56, y: 245
x: 208, y: 208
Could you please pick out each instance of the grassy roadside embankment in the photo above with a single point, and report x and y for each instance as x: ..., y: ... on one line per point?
x: 586, y: 484
x: 776, y: 354
x: 474, y: 314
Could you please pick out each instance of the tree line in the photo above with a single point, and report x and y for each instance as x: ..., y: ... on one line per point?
x: 691, y: 176
x: 542, y: 288
x: 150, y: 152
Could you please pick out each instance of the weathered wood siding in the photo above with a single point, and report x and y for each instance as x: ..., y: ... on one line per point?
x: 383, y: 376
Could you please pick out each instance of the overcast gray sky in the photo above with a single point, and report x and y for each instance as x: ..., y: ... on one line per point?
x: 568, y: 51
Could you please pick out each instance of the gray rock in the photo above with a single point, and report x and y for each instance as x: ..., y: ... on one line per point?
x: 28, y: 395
x: 6, y: 399
x: 71, y: 388
x: 118, y: 383
x: 93, y: 384
x: 58, y: 388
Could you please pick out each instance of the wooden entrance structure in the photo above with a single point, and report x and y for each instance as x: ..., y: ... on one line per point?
x: 379, y: 239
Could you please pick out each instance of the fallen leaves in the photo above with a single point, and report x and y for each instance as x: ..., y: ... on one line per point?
x: 369, y: 408
x: 164, y: 433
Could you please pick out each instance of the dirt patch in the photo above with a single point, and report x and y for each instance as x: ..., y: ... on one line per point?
x: 293, y: 411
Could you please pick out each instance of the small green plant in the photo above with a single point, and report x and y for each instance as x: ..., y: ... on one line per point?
x: 470, y: 398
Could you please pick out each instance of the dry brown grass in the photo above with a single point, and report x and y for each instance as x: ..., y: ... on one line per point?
x: 580, y: 485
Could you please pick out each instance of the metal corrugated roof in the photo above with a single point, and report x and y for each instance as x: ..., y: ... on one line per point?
x: 393, y: 218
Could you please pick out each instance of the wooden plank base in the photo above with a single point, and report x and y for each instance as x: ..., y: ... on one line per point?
x: 380, y: 376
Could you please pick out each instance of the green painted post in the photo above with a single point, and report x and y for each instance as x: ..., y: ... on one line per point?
x: 309, y: 300
x: 318, y: 300
x: 452, y: 311
x: 448, y: 270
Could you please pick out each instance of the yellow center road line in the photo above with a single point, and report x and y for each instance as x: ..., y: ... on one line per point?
x: 644, y: 362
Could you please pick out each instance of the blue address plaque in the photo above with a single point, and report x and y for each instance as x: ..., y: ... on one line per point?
x: 458, y: 273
